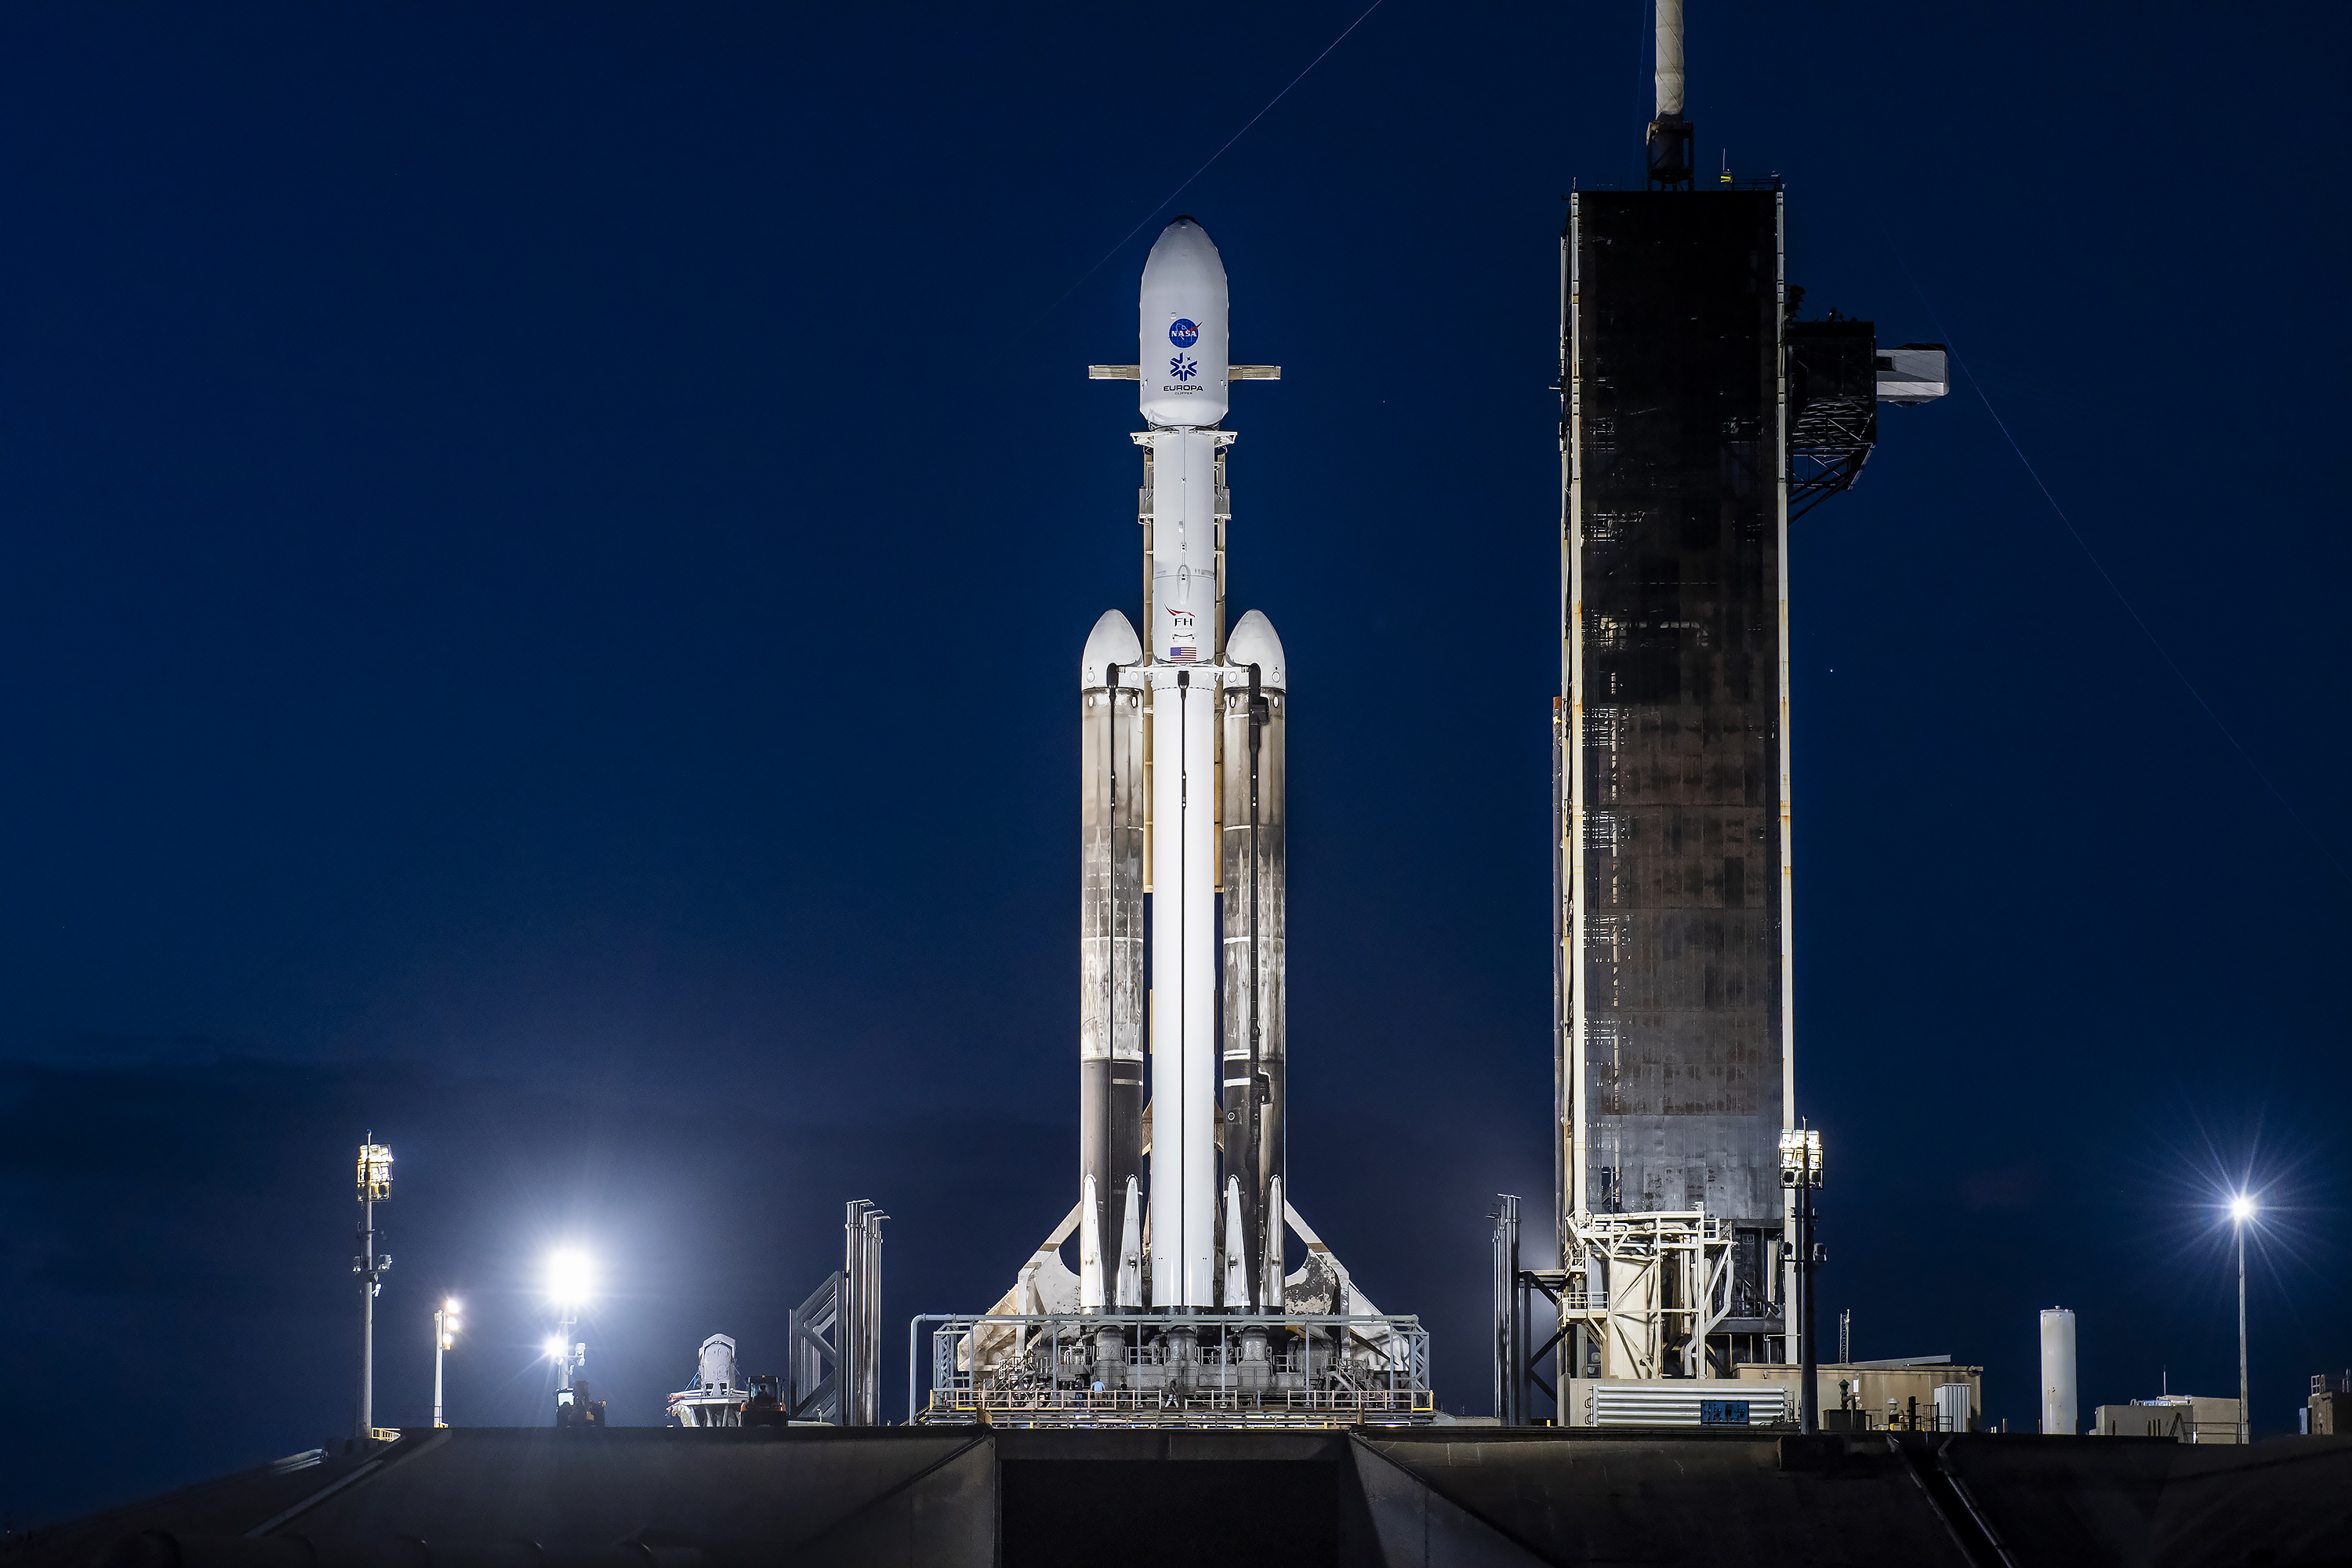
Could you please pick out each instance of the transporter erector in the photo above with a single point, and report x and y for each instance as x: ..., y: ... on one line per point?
x: 1181, y: 1306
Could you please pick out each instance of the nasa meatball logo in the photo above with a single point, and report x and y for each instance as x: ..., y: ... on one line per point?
x: 1184, y: 333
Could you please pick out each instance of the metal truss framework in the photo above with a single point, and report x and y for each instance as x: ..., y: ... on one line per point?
x: 835, y: 1336
x: 1830, y: 439
x: 1644, y: 1291
x: 1161, y: 1369
x: 1830, y: 369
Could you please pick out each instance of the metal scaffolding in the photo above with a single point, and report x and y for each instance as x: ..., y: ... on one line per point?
x: 1162, y: 1369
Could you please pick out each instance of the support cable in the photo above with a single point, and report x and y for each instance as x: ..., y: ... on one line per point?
x: 2092, y: 556
x: 1203, y: 169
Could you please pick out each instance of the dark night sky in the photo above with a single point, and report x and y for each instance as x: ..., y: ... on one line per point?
x: 546, y: 550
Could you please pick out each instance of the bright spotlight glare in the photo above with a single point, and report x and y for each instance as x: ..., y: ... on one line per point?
x: 567, y: 1278
x: 2242, y: 1209
x: 555, y: 1347
x: 450, y: 1306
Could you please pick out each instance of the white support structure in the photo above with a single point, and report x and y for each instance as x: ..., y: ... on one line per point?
x: 1320, y: 1354
x: 715, y: 1396
x: 1651, y: 1288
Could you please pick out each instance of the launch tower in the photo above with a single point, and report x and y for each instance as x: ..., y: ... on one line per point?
x: 1699, y: 416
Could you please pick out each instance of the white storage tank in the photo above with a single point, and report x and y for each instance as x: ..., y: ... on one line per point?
x: 717, y: 1364
x: 715, y: 1396
x: 2058, y: 1410
x: 1952, y: 1407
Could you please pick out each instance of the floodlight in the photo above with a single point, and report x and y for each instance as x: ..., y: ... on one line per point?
x: 1801, y: 1158
x: 450, y: 1305
x: 375, y: 1172
x: 568, y: 1279
x: 555, y: 1347
x: 2242, y: 1209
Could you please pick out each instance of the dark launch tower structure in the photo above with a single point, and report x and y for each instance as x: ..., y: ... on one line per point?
x: 1699, y: 415
x: 1673, y: 735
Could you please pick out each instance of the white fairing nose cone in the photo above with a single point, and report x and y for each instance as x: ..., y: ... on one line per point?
x: 1113, y: 641
x: 1252, y: 641
x: 1181, y: 351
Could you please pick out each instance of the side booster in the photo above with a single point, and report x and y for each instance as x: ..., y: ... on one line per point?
x: 1182, y: 780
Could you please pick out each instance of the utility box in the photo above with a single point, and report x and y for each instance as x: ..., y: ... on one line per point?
x: 1927, y: 1394
x: 2184, y: 1417
x: 1674, y: 1402
x: 2138, y: 1420
x: 1915, y: 372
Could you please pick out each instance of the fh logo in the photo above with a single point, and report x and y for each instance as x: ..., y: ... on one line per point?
x: 1183, y: 369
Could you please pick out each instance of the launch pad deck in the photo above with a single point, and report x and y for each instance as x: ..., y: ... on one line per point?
x: 1459, y: 1493
x: 1161, y: 1369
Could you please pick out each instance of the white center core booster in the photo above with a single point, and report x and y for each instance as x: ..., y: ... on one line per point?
x: 1182, y: 364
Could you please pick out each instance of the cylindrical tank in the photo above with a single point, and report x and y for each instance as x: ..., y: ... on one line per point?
x: 1180, y: 330
x: 2058, y: 1410
x: 1183, y: 609
x: 1253, y: 867
x: 1184, y: 1240
x: 715, y: 1364
x: 1954, y: 1407
x: 1110, y: 933
x: 1670, y: 59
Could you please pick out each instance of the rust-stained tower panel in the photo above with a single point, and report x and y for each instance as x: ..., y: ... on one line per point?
x: 1673, y: 966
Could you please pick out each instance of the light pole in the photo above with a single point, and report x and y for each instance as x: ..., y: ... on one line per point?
x: 2241, y: 1213
x: 1801, y: 1168
x: 567, y: 1289
x: 375, y: 1187
x: 445, y: 1337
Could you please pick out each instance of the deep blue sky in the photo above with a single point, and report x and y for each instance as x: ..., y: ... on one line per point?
x: 546, y: 549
